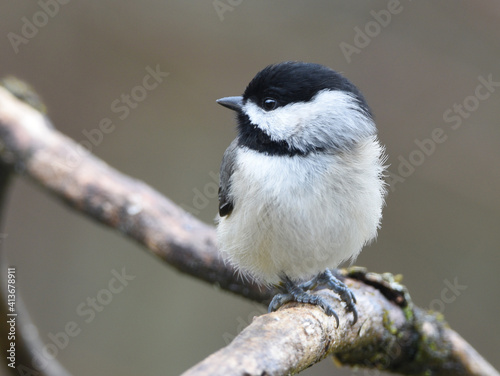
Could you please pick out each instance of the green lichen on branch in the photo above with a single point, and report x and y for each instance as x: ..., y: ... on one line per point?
x: 423, y: 344
x: 23, y: 91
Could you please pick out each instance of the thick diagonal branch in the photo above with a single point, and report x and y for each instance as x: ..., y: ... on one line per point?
x: 68, y: 171
x: 286, y: 341
x: 384, y: 337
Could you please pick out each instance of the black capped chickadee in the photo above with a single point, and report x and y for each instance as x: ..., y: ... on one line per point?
x: 301, y: 187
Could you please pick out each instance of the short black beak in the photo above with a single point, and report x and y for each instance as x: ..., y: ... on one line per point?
x: 233, y: 103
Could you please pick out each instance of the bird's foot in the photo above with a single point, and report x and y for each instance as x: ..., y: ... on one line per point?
x: 333, y: 283
x: 301, y: 294
x: 295, y: 293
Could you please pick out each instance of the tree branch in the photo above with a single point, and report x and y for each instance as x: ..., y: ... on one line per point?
x: 390, y: 334
x: 292, y: 339
x: 72, y: 174
x: 27, y: 344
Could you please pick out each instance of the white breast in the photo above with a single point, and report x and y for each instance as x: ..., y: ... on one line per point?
x: 298, y: 216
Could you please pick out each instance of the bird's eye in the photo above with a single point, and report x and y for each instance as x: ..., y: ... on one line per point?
x: 269, y: 104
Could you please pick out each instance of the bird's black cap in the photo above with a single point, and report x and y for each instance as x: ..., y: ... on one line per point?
x: 293, y: 81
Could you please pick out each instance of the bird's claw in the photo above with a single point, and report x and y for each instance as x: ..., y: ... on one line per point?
x: 303, y: 297
x: 301, y: 294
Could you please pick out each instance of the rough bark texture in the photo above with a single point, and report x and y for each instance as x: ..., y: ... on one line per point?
x: 390, y: 334
x: 72, y: 174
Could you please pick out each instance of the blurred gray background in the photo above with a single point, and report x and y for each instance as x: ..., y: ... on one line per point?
x: 442, y: 219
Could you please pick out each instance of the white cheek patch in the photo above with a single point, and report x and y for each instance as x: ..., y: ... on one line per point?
x: 329, y: 119
x: 279, y: 123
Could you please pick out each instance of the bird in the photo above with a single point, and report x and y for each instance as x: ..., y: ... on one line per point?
x: 302, y: 184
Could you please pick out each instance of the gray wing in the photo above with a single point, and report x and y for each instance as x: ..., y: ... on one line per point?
x: 226, y: 203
